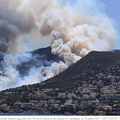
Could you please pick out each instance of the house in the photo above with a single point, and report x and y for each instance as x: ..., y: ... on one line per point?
x: 79, y: 113
x: 61, y: 95
x: 57, y: 89
x: 22, y: 93
x: 51, y: 101
x: 10, y: 93
x: 103, y: 96
x: 40, y: 92
x: 90, y: 86
x: 117, y: 84
x: 57, y: 102
x: 84, y: 85
x: 4, y: 105
x: 85, y: 96
x: 92, y: 89
x: 67, y: 113
x: 83, y: 104
x: 85, y: 90
x: 79, y: 89
x: 84, y: 82
x: 47, y: 90
x: 117, y: 96
x: 69, y: 105
x: 75, y: 102
x: 55, y: 106
x: 35, y: 96
x: 110, y: 95
x: 103, y: 103
x: 30, y: 94
x: 112, y: 79
x: 78, y: 98
x: 94, y: 82
x: 92, y: 95
x: 41, y: 103
x: 93, y: 101
x: 41, y: 95
x: 99, y: 83
x: 18, y: 104
x: 1, y: 100
x: 100, y: 75
x: 115, y: 105
x: 113, y: 91
x: 105, y: 88
x: 28, y: 105
x: 109, y: 76
x: 106, y: 107
x: 70, y: 95
x: 70, y: 101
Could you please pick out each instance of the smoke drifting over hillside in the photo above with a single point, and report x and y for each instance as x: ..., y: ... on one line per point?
x: 72, y: 31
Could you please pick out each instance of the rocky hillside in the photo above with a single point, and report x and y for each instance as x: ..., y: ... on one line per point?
x: 90, y: 65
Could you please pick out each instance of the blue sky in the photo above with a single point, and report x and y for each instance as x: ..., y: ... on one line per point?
x: 112, y: 9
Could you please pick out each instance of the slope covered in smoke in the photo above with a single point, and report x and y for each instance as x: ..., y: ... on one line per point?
x: 86, y: 68
x: 26, y: 67
x: 43, y: 56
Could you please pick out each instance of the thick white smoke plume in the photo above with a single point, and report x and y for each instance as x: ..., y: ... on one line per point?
x: 73, y: 30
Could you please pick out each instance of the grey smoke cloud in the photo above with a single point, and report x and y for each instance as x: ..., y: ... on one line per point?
x: 12, y: 24
x: 74, y: 34
x: 71, y: 32
x: 40, y: 71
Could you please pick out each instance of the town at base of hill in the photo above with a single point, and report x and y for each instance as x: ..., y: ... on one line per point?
x: 89, y: 87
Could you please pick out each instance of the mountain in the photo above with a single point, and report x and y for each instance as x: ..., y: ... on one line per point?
x: 39, y: 58
x: 90, y: 65
x: 46, y: 52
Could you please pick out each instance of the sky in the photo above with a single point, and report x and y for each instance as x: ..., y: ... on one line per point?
x: 112, y: 9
